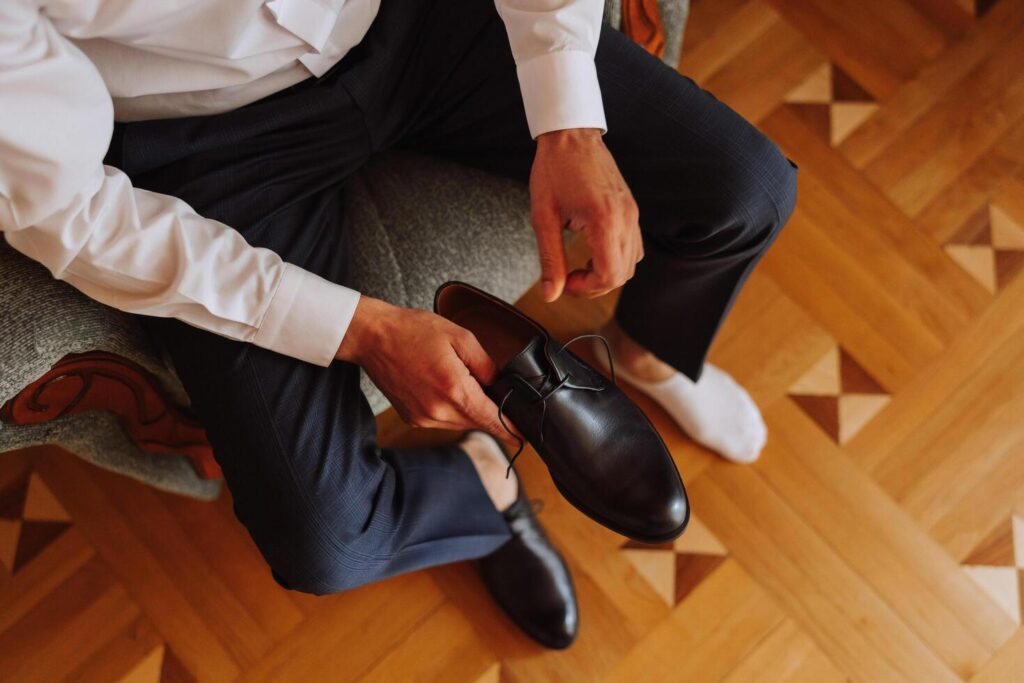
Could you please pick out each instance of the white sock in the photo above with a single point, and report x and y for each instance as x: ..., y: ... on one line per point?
x: 715, y: 411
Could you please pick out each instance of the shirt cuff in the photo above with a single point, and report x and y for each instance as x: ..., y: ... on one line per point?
x: 560, y: 91
x: 307, y: 317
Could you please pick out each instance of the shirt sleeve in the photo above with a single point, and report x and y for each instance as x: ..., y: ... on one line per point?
x: 135, y: 250
x: 554, y: 42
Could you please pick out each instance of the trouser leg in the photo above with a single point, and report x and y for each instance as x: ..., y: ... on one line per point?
x: 713, y: 191
x: 328, y: 508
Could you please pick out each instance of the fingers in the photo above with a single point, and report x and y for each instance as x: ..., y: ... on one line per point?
x: 547, y: 225
x: 481, y: 412
x: 616, y: 246
x: 471, y: 403
x: 473, y: 356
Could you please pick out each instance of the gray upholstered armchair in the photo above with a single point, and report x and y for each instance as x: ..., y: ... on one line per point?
x: 86, y: 377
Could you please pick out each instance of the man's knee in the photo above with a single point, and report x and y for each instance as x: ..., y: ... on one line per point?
x: 758, y: 193
x: 323, y: 547
x: 310, y: 561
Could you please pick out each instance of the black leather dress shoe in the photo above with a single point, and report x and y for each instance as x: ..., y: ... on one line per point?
x: 529, y: 579
x: 603, y: 454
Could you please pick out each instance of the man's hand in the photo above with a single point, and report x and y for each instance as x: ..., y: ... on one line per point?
x: 576, y: 185
x: 429, y: 368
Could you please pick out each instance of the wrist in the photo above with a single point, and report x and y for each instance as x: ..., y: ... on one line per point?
x: 363, y: 330
x: 569, y: 136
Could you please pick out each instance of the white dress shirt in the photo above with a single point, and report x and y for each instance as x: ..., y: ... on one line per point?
x: 69, y: 68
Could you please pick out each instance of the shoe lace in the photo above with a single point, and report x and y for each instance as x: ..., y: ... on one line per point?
x: 543, y: 396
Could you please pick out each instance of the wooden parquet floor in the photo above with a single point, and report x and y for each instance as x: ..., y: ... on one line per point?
x: 880, y: 537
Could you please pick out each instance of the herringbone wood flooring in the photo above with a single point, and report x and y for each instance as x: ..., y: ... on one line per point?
x: 881, y: 536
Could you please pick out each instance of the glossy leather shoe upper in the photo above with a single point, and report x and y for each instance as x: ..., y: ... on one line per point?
x: 530, y: 580
x: 603, y: 454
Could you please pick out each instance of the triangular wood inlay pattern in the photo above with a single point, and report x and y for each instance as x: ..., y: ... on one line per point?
x: 691, y: 570
x: 12, y: 498
x: 822, y: 379
x: 173, y: 671
x: 843, y: 405
x: 10, y: 532
x: 675, y: 569
x: 817, y: 117
x: 989, y: 246
x: 978, y: 260
x: 845, y: 89
x: 977, y: 230
x: 824, y: 410
x: 1009, y: 264
x: 35, y: 536
x: 1002, y: 584
x: 1006, y: 233
x: 816, y: 88
x: 996, y: 549
x: 855, y: 379
x: 41, y: 504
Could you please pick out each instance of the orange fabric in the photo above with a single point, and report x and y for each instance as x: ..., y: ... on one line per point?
x: 641, y: 21
x: 83, y: 382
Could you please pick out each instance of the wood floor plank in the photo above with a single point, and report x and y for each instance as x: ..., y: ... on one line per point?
x: 919, y: 165
x: 706, y: 18
x: 775, y: 346
x: 989, y: 502
x: 716, y: 626
x: 951, y: 18
x: 886, y: 339
x: 76, y: 641
x: 237, y: 564
x: 964, y: 450
x: 871, y: 48
x: 136, y: 568
x: 74, y: 620
x: 931, y: 388
x: 992, y: 178
x: 442, y: 647
x: 39, y: 578
x: 122, y: 654
x: 735, y: 33
x: 786, y: 655
x: 349, y: 633
x: 879, y: 541
x: 875, y: 231
x: 935, y: 83
x: 1007, y: 665
x: 210, y: 595
x: 849, y: 621
x: 766, y: 70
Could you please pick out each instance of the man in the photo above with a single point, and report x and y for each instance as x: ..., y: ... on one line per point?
x: 213, y: 207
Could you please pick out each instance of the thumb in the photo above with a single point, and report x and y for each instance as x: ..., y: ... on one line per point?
x: 548, y: 227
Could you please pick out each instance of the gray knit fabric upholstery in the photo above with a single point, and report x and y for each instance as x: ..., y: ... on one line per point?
x: 45, y: 319
x: 415, y: 223
x: 98, y: 438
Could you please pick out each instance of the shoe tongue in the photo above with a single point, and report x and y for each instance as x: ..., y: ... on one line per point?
x: 530, y: 362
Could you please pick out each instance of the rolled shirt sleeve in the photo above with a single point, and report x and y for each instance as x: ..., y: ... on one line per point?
x: 554, y: 43
x: 138, y: 251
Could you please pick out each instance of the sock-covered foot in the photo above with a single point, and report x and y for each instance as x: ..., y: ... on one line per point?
x: 715, y: 411
x: 492, y: 466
